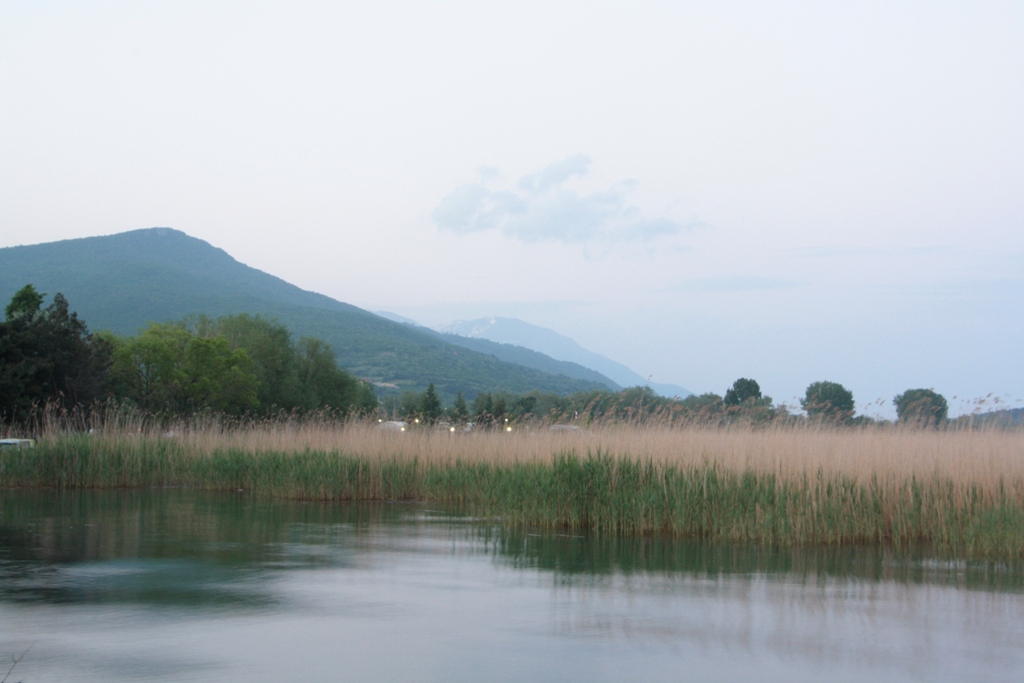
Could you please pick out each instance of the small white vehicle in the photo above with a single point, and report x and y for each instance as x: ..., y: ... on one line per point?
x: 393, y: 426
x: 17, y: 443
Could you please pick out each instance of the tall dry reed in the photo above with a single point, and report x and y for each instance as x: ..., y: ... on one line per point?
x: 961, y: 490
x: 985, y: 458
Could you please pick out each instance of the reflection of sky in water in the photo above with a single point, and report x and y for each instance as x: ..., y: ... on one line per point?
x: 176, y: 586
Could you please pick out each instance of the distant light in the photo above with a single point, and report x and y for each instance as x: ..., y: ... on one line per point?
x: 508, y: 429
x: 417, y: 420
x: 451, y: 429
x: 402, y: 428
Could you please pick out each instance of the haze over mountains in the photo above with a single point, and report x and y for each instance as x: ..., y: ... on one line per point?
x: 513, y: 336
x: 514, y: 353
x: 550, y: 343
x: 121, y: 282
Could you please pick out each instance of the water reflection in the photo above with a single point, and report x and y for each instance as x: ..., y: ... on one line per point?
x: 182, y: 585
x: 595, y: 556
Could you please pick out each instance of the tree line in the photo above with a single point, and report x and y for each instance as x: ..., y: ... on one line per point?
x: 233, y: 365
x: 743, y: 403
x: 243, y: 364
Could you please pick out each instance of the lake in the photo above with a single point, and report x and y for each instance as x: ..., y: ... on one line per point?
x: 175, y: 585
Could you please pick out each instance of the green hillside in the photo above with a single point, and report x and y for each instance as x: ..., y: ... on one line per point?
x: 520, y: 355
x: 121, y: 282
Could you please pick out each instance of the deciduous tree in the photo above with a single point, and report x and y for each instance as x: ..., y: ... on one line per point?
x: 828, y: 401
x: 167, y: 369
x: 921, y: 407
x: 742, y: 390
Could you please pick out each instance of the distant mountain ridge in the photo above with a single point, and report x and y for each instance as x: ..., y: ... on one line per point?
x: 394, y: 317
x: 120, y: 282
x: 513, y: 353
x: 520, y: 355
x: 557, y: 346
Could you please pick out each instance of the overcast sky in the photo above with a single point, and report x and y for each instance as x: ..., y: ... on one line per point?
x: 703, y: 191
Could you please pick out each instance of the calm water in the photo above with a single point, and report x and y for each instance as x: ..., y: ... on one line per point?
x: 181, y: 586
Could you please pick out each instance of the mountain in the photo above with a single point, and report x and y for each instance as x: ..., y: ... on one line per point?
x: 560, y: 347
x: 520, y: 355
x: 513, y: 353
x: 121, y: 282
x: 394, y: 317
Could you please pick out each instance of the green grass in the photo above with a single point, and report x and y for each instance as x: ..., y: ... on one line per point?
x: 589, y: 491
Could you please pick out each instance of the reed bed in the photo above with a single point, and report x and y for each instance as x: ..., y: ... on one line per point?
x: 958, y: 491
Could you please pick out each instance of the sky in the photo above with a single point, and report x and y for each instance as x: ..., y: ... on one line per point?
x: 786, y: 191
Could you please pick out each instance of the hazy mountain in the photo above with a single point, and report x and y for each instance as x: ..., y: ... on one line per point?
x: 560, y: 347
x: 513, y: 353
x: 520, y: 355
x: 120, y: 282
x: 394, y: 317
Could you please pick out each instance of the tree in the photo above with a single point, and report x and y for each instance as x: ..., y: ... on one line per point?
x: 460, y: 411
x: 25, y: 304
x: 490, y: 408
x: 430, y: 405
x: 828, y: 401
x: 274, y: 355
x: 21, y: 373
x: 703, y: 408
x: 48, y: 355
x: 742, y: 390
x: 636, y: 401
x: 301, y: 376
x: 483, y: 407
x: 167, y: 369
x: 409, y: 404
x: 217, y: 377
x: 78, y: 364
x: 325, y: 385
x: 500, y: 408
x: 524, y: 405
x: 921, y: 407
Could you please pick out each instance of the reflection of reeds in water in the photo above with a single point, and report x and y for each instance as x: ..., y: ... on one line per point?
x: 960, y: 490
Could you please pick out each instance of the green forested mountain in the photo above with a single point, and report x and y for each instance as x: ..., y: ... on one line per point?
x: 121, y: 282
x: 520, y: 355
x: 512, y: 353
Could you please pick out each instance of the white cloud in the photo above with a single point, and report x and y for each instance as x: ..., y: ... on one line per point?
x: 544, y: 208
x: 555, y: 174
